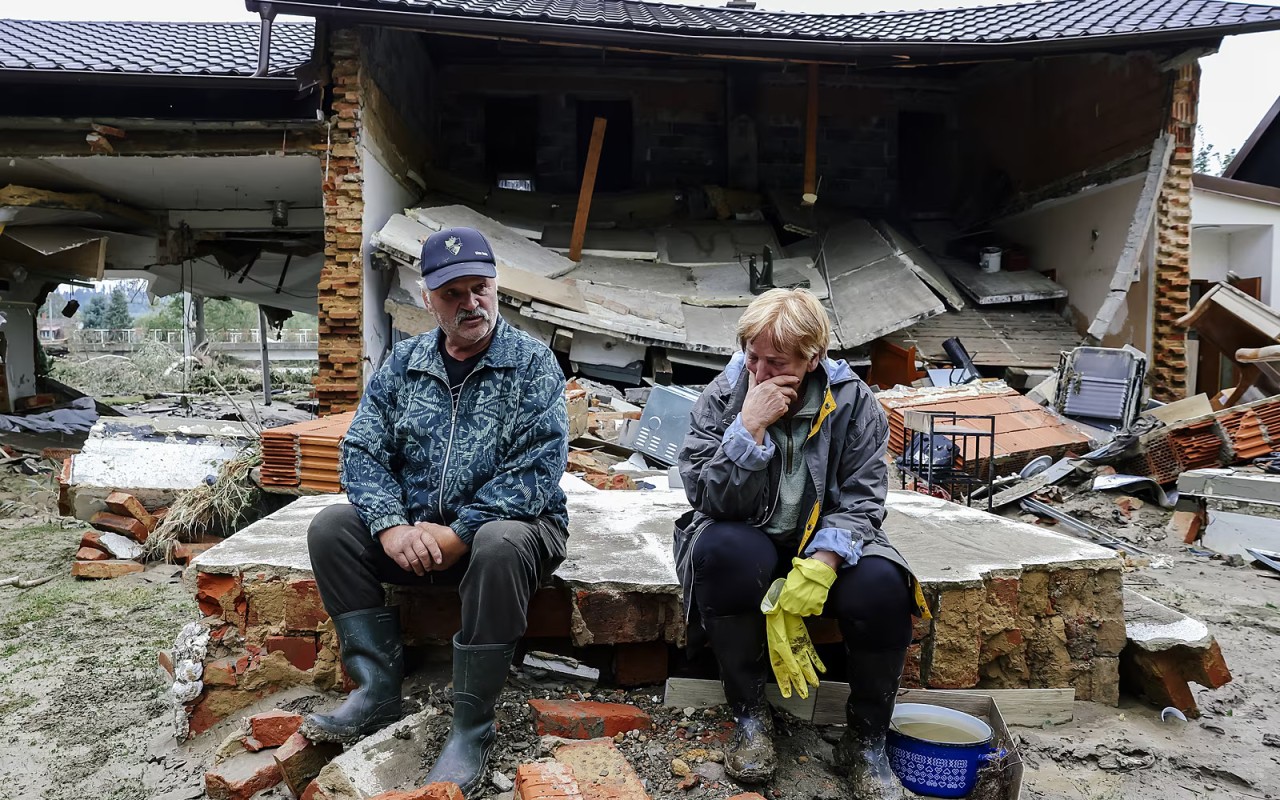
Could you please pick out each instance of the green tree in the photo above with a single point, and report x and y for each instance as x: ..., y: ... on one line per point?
x: 94, y: 315
x: 1208, y: 161
x: 117, y: 316
x: 166, y: 315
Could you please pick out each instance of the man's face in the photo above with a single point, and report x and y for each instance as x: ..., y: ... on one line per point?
x: 765, y: 360
x: 465, y: 308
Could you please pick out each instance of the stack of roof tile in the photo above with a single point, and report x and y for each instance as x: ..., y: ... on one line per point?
x: 1243, y: 428
x: 305, y: 454
x: 1023, y: 429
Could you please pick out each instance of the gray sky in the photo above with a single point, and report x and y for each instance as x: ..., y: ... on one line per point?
x: 1239, y: 83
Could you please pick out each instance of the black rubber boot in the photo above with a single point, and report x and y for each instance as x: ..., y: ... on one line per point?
x: 873, y: 687
x: 373, y: 656
x: 739, y: 645
x: 479, y: 673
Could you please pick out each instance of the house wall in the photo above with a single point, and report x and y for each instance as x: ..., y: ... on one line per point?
x: 1060, y: 236
x: 19, y: 328
x: 679, y: 125
x: 1028, y: 125
x: 1252, y: 252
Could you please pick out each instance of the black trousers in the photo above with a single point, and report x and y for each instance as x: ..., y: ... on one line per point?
x: 508, y: 560
x: 734, y: 564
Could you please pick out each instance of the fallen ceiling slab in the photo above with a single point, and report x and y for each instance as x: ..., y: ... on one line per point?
x: 991, y: 288
x: 919, y: 260
x: 56, y: 251
x: 873, y: 291
x: 994, y: 337
x: 692, y: 243
x: 509, y: 247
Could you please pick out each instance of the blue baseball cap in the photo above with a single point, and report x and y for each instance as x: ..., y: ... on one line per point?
x: 456, y: 253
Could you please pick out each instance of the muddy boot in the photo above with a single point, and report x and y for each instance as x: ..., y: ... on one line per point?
x: 873, y: 686
x: 479, y: 673
x: 373, y: 656
x: 739, y: 645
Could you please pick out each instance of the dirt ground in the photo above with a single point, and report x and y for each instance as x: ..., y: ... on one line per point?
x: 84, y: 712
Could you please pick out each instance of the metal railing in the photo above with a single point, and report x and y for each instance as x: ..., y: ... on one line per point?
x: 102, y: 337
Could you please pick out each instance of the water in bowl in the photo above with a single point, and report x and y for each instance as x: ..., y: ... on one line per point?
x: 935, y: 732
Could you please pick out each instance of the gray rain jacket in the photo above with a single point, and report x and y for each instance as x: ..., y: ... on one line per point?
x: 848, y: 477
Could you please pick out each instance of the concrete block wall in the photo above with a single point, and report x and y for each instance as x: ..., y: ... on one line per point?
x: 679, y: 126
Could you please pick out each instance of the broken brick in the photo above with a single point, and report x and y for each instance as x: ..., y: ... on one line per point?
x: 221, y: 596
x: 220, y: 673
x: 242, y: 776
x: 1186, y: 526
x: 574, y: 719
x: 252, y: 745
x: 432, y: 791
x: 273, y: 728
x: 301, y: 759
x: 126, y: 505
x: 546, y: 781
x: 299, y: 650
x: 93, y: 539
x: 303, y: 608
x: 104, y: 570
x: 183, y: 552
x: 90, y: 554
x: 125, y: 526
x: 165, y: 660
x: 602, y: 771
x: 313, y: 792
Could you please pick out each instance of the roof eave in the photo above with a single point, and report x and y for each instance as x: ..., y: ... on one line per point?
x: 752, y: 46
x: 281, y: 82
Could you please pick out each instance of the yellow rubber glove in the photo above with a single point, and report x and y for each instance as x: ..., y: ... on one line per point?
x: 806, y: 587
x: 795, y: 663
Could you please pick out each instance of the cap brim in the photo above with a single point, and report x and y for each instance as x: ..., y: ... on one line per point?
x: 465, y: 269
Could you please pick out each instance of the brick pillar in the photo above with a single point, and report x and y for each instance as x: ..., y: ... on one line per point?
x: 1173, y: 244
x: 339, y: 381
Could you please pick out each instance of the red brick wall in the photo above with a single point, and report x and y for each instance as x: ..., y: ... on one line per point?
x: 1173, y: 244
x: 339, y: 381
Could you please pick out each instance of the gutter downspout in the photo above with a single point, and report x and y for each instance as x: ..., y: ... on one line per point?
x: 267, y: 13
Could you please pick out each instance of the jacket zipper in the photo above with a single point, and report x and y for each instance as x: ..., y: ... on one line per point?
x: 448, y: 450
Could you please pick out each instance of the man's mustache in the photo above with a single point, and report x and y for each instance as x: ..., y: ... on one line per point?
x: 466, y: 316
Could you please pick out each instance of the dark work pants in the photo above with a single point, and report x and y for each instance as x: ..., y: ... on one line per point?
x: 734, y: 564
x: 508, y: 561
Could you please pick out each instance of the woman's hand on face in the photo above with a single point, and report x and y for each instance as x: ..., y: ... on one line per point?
x: 766, y: 402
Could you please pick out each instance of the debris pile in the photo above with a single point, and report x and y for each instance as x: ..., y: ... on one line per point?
x: 115, y: 546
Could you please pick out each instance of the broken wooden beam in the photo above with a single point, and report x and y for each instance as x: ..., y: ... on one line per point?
x: 588, y: 188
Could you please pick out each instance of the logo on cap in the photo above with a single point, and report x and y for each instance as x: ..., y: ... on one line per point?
x: 453, y: 244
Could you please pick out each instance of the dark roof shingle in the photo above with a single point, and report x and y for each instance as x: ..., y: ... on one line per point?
x: 151, y: 48
x: 997, y: 24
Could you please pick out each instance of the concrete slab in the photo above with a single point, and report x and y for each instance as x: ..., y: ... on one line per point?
x: 1230, y: 483
x: 948, y: 544
x: 1153, y: 626
x: 394, y: 758
x: 987, y: 288
x: 693, y: 243
x: 622, y: 541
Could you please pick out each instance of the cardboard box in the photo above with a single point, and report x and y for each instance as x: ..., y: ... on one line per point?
x: 985, y: 709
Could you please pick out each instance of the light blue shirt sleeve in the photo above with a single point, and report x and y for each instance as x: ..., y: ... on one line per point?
x: 838, y: 541
x: 741, y: 448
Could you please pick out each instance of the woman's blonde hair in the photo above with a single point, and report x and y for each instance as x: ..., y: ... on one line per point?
x: 793, y: 318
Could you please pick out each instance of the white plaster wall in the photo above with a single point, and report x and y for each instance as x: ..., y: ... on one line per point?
x: 20, y: 333
x: 1251, y: 253
x: 383, y: 197
x: 1060, y: 236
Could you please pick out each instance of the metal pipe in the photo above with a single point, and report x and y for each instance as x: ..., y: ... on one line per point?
x: 267, y: 13
x: 266, y: 362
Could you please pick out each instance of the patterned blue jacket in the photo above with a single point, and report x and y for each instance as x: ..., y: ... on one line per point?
x: 410, y: 456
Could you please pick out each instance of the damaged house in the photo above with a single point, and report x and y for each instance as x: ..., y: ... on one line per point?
x: 878, y: 158
x: 164, y: 151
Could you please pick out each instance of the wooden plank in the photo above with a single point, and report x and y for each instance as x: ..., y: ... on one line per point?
x: 699, y: 693
x: 810, y: 195
x: 588, y: 188
x: 1031, y: 708
x: 527, y: 287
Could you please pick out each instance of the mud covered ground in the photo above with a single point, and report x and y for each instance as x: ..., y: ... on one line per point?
x: 84, y: 711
